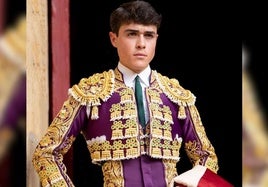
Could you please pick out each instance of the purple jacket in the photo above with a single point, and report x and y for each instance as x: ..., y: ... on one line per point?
x: 103, y: 109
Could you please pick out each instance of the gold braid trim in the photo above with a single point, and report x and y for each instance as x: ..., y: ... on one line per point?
x: 195, y: 149
x: 113, y: 174
x: 176, y: 93
x: 90, y: 91
x: 48, y: 156
x: 170, y: 170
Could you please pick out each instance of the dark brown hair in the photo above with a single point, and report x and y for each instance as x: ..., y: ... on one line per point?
x: 137, y: 11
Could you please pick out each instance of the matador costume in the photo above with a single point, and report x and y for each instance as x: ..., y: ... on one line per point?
x: 103, y: 109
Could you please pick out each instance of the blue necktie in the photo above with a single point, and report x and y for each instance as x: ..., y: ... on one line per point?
x: 139, y: 100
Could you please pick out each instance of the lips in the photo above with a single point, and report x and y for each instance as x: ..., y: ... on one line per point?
x: 140, y: 55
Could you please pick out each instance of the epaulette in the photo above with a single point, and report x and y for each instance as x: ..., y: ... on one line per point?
x: 176, y: 93
x: 90, y: 91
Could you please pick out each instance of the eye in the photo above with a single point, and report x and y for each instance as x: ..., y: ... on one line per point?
x: 132, y: 34
x: 149, y: 35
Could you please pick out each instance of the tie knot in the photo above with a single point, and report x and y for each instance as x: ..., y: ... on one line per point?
x: 138, y: 83
x: 137, y: 78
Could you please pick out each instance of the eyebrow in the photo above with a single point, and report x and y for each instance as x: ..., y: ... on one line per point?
x: 133, y: 30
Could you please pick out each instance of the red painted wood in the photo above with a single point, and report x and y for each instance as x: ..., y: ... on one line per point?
x: 60, y: 65
x: 60, y: 45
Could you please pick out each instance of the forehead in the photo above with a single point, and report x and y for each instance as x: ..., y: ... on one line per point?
x: 138, y: 27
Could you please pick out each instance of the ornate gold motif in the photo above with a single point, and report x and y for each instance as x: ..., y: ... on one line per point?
x: 113, y: 174
x: 49, y: 166
x: 125, y: 130
x: 118, y: 149
x: 194, y: 148
x: 170, y: 170
x: 128, y: 140
x: 176, y: 93
x: 90, y: 91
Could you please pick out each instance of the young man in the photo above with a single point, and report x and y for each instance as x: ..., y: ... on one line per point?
x: 134, y: 146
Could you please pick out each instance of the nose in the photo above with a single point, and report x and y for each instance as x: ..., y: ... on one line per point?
x: 140, y: 43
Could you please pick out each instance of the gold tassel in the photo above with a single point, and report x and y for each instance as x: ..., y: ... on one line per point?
x: 95, y: 112
x: 181, y: 113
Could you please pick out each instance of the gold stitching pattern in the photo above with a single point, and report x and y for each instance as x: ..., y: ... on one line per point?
x: 170, y: 170
x: 113, y: 174
x: 175, y: 93
x: 51, y: 172
x: 208, y: 158
x: 90, y: 91
x: 118, y: 149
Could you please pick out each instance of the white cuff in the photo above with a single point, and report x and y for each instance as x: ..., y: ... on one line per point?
x: 191, y: 177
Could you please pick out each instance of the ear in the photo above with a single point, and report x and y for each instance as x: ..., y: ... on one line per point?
x: 113, y: 39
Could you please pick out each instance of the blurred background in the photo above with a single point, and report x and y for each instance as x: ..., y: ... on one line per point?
x: 255, y: 136
x: 12, y: 93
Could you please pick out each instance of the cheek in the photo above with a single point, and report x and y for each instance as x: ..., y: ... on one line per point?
x: 125, y: 46
x: 123, y: 51
x: 151, y: 48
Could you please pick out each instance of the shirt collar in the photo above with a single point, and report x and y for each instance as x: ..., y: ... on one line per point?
x: 129, y: 75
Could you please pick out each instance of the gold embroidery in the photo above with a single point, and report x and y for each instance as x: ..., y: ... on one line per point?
x: 157, y: 132
x: 117, y: 130
x: 106, y: 155
x: 90, y: 91
x: 208, y: 158
x: 167, y: 114
x: 126, y: 95
x: 116, y: 134
x: 126, y: 108
x: 43, y: 160
x: 116, y: 112
x: 129, y: 111
x: 128, y: 140
x: 113, y: 174
x: 130, y: 132
x: 154, y: 96
x: 176, y: 93
x: 131, y: 128
x: 115, y: 150
x: 181, y: 113
x: 175, y: 147
x: 94, y: 112
x: 170, y: 170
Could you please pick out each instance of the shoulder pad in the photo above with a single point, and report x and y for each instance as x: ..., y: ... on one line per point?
x: 175, y: 92
x: 91, y: 90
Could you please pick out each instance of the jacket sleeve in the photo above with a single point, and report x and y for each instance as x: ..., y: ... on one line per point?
x: 196, y: 143
x: 200, y: 152
x: 48, y: 155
